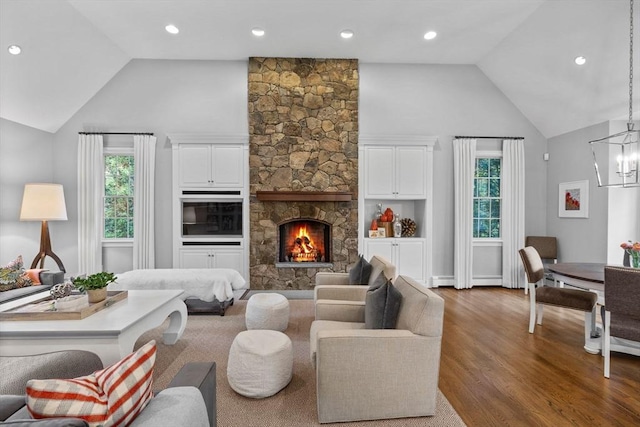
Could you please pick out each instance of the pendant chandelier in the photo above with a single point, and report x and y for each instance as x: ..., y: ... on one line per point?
x: 618, y: 155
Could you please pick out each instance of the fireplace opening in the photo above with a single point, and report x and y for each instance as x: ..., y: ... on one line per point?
x: 305, y: 241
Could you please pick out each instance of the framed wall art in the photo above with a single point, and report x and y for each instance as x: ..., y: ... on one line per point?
x: 573, y: 199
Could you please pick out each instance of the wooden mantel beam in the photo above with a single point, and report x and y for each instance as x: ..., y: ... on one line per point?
x: 303, y: 196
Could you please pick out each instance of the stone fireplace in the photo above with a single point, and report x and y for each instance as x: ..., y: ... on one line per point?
x: 303, y: 155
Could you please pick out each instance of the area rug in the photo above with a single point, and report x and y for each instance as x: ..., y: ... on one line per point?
x: 208, y: 338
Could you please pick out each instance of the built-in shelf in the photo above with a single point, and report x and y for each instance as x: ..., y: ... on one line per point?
x: 303, y: 196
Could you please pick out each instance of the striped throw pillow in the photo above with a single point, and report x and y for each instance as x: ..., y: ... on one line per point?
x: 113, y: 396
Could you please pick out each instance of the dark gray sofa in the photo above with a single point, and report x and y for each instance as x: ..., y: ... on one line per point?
x: 190, y: 398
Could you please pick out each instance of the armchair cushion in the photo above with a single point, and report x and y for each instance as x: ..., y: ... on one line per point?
x: 360, y: 273
x: 382, y: 305
x: 112, y: 396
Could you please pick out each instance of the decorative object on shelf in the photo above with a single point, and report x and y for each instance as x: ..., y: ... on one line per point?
x: 44, y: 202
x: 387, y: 226
x: 408, y: 227
x: 95, y: 285
x: 397, y: 226
x: 631, y: 254
x: 623, y: 147
x: 61, y: 290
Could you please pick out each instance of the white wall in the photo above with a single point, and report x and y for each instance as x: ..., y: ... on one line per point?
x: 211, y: 96
x: 613, y: 216
x: 26, y: 155
x: 448, y: 100
x: 157, y: 96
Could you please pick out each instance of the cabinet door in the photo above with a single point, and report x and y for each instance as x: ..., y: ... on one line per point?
x: 195, y: 165
x: 411, y: 173
x: 410, y: 258
x: 228, y: 166
x: 229, y: 258
x: 379, y: 172
x: 382, y: 247
x: 195, y: 258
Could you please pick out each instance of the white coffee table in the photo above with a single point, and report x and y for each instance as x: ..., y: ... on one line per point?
x: 110, y: 333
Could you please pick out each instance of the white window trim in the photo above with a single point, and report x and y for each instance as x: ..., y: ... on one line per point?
x: 490, y: 241
x: 113, y: 243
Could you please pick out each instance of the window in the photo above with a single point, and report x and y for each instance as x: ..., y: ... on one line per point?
x: 118, y: 196
x: 486, y: 198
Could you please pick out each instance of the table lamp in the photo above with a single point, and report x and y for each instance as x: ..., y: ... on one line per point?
x: 44, y: 202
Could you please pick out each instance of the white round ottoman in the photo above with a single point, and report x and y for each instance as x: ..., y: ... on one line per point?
x: 260, y: 363
x: 267, y: 311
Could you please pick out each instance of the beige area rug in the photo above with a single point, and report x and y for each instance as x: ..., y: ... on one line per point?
x: 208, y: 338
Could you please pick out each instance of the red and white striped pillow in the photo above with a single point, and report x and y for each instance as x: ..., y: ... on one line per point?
x: 113, y: 396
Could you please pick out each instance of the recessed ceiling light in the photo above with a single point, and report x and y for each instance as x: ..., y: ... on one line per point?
x: 14, y: 49
x: 430, y: 35
x: 172, y: 29
x: 580, y: 60
x: 346, y: 34
x: 258, y: 32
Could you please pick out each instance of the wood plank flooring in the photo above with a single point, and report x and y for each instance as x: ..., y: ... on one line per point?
x: 495, y: 373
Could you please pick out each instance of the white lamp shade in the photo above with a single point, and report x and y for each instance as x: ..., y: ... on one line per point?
x: 43, y: 202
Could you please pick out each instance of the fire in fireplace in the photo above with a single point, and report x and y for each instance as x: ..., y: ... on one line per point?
x: 304, y: 241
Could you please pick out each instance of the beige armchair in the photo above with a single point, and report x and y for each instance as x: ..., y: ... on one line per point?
x: 336, y: 299
x: 368, y: 374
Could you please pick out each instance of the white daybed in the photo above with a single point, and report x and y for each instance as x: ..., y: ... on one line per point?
x: 205, y: 289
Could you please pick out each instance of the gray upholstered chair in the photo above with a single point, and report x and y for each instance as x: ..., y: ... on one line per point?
x: 336, y: 299
x: 621, y: 312
x: 562, y: 297
x: 370, y: 374
x: 547, y: 248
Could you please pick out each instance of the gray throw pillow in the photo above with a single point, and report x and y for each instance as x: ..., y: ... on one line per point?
x: 382, y: 305
x: 359, y: 273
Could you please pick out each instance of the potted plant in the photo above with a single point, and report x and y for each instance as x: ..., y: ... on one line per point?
x: 95, y: 285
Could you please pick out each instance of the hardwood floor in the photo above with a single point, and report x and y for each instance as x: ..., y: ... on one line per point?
x: 495, y: 373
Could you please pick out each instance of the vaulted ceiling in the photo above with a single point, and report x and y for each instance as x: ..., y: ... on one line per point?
x: 72, y: 48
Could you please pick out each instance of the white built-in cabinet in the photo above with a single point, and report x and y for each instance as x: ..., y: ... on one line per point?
x: 407, y: 254
x: 212, y: 257
x: 210, y: 167
x: 397, y: 172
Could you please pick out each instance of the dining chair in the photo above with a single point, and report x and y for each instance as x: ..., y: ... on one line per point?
x: 547, y: 247
x: 621, y: 311
x: 539, y: 294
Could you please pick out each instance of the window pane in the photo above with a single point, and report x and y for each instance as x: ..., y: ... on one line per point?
x: 483, y: 187
x: 494, y: 168
x: 122, y: 210
x: 495, y: 208
x: 495, y: 228
x: 483, y: 208
x: 482, y: 167
x: 109, y: 228
x: 118, y: 200
x: 494, y: 187
x: 109, y: 207
x: 487, y: 202
x: 483, y: 228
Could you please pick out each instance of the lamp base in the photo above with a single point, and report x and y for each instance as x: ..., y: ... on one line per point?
x: 45, y: 249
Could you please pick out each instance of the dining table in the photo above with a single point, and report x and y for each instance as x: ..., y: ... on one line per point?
x: 588, y: 276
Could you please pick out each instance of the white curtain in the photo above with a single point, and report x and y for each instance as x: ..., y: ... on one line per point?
x: 464, y: 163
x: 90, y: 183
x: 512, y: 212
x: 144, y: 149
